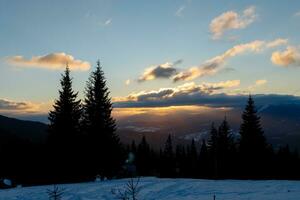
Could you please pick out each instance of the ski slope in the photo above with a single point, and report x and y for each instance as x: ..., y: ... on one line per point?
x: 168, y: 189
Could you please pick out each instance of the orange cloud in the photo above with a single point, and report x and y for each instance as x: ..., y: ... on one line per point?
x: 290, y: 56
x: 260, y: 82
x: 214, y: 64
x: 52, y: 61
x: 23, y: 107
x: 186, y: 89
x: 232, y: 20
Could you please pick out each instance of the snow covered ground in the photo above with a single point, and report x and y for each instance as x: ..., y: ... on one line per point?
x: 168, y: 189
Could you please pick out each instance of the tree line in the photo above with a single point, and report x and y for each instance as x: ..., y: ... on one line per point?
x: 83, y: 144
x: 222, y: 156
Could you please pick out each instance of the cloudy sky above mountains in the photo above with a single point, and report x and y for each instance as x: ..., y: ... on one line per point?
x: 154, y: 54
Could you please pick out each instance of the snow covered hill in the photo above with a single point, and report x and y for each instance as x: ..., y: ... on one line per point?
x: 168, y: 189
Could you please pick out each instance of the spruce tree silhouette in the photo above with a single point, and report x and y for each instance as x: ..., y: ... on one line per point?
x: 143, y: 158
x: 64, y: 130
x: 167, y: 159
x: 181, y: 161
x: 192, y: 159
x: 204, y: 168
x: 225, y: 149
x: 105, y: 155
x: 253, y: 146
x: 213, y: 148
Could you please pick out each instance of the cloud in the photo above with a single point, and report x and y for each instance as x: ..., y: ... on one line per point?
x: 221, y: 85
x: 215, y: 64
x: 165, y: 70
x: 9, y: 106
x: 181, y: 91
x: 260, y: 82
x: 200, y: 95
x: 277, y: 42
x: 232, y: 20
x: 297, y: 14
x: 127, y: 82
x: 251, y: 88
x: 108, y: 22
x: 288, y: 57
x: 179, y: 12
x: 52, y: 61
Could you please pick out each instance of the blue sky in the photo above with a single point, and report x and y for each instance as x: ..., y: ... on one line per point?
x: 131, y: 36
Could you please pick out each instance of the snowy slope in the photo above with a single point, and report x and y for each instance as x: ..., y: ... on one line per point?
x: 169, y: 189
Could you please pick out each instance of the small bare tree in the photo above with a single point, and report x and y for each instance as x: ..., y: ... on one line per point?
x: 55, y: 193
x: 130, y: 192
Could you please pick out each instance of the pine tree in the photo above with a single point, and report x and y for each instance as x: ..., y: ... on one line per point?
x: 213, y: 149
x: 213, y: 139
x: 204, y: 169
x: 100, y: 126
x: 65, y: 118
x: 224, y: 136
x: 253, y: 146
x: 181, y: 165
x: 192, y: 159
x: 144, y: 160
x: 168, y: 150
x: 167, y: 159
x: 64, y: 130
x: 133, y: 148
x: 225, y: 149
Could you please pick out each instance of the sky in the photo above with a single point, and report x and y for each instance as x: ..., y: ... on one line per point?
x: 153, y: 53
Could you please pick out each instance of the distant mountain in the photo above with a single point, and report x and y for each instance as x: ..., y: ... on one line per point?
x: 26, y: 130
x: 281, y: 123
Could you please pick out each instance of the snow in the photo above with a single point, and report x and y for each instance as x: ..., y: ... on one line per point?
x: 168, y: 189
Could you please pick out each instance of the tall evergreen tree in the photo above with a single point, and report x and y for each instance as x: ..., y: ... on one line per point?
x: 213, y: 148
x: 65, y: 117
x: 225, y: 149
x: 100, y: 127
x: 253, y: 146
x: 204, y: 168
x: 192, y: 159
x: 133, y: 147
x: 168, y: 150
x: 181, y: 164
x: 143, y: 158
x: 167, y: 159
x: 64, y: 128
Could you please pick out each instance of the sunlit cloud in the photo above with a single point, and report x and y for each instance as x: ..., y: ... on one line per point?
x: 251, y: 88
x: 127, y: 82
x: 288, y: 57
x: 215, y: 64
x: 219, y: 94
x: 277, y: 42
x: 162, y: 71
x: 163, y: 98
x: 181, y: 91
x: 22, y: 107
x: 260, y: 82
x: 52, y: 61
x: 232, y: 20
